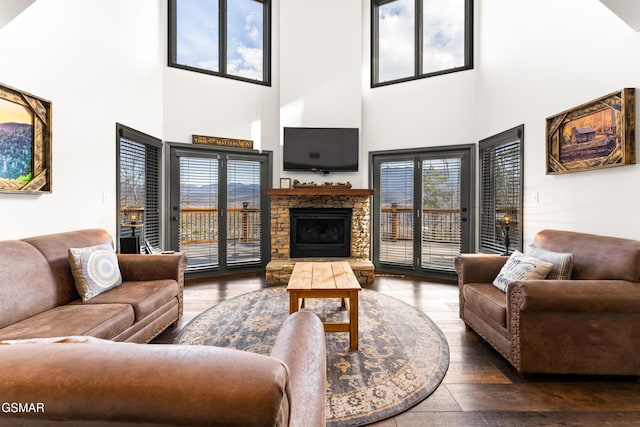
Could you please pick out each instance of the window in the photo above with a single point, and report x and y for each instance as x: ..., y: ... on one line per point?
x: 420, y: 38
x: 138, y: 185
x: 227, y: 38
x: 501, y: 184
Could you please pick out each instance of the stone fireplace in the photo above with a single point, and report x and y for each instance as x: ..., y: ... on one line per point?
x: 313, y: 203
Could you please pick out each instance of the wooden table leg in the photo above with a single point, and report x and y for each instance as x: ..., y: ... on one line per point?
x: 353, y: 320
x: 293, y: 302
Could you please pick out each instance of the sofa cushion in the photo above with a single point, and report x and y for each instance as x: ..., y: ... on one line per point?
x: 562, y: 262
x: 25, y: 282
x: 595, y: 257
x: 95, y: 270
x: 487, y: 301
x: 97, y: 320
x: 144, y: 296
x: 521, y: 267
x: 55, y: 249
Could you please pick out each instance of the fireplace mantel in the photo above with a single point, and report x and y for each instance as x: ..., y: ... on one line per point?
x: 319, y: 190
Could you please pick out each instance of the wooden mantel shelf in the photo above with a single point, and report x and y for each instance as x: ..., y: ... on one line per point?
x: 320, y: 190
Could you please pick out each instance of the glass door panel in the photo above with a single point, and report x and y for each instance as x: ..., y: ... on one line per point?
x: 199, y: 214
x: 396, y: 216
x: 244, y: 223
x: 441, y: 209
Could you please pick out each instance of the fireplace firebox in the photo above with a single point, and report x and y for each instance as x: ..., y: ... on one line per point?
x: 320, y: 232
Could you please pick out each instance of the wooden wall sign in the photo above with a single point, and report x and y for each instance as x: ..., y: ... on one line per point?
x: 222, y: 142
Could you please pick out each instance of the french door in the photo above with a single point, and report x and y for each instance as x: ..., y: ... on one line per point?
x: 422, y: 209
x: 217, y: 208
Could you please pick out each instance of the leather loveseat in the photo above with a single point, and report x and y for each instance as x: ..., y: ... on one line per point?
x: 589, y: 324
x: 39, y: 299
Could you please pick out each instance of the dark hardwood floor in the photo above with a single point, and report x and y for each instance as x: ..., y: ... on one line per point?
x: 480, y: 388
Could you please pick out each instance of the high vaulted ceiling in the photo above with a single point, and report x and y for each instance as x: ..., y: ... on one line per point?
x: 627, y: 10
x: 12, y: 8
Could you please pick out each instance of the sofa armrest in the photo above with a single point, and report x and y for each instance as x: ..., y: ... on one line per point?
x: 574, y: 296
x: 478, y: 268
x: 125, y: 383
x: 301, y: 346
x: 138, y: 267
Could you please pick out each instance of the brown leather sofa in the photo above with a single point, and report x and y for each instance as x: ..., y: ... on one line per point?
x: 82, y: 380
x: 38, y: 296
x: 589, y: 324
x: 102, y: 383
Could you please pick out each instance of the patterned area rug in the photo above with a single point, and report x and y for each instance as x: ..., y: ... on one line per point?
x: 402, y: 356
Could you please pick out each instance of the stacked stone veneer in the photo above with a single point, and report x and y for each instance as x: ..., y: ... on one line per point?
x: 279, y: 269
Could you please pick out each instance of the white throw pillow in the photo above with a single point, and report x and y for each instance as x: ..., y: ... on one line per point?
x: 95, y: 270
x: 562, y: 262
x: 521, y: 267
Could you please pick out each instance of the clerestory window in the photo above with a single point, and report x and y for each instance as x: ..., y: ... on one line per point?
x: 414, y: 39
x: 226, y: 38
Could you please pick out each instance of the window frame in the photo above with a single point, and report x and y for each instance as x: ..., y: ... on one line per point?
x: 418, y: 45
x: 491, y: 144
x: 222, y: 44
x: 150, y: 143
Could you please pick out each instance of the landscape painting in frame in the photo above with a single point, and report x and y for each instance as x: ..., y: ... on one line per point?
x: 25, y: 142
x: 598, y: 134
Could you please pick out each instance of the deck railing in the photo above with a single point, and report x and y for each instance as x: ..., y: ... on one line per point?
x: 200, y: 225
x: 438, y: 225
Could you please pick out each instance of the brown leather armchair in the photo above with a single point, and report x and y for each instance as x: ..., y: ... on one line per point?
x: 587, y: 325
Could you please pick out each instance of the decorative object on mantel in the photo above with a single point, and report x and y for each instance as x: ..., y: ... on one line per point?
x: 222, y: 142
x: 298, y: 184
x: 285, y: 182
x: 25, y: 142
x: 595, y: 135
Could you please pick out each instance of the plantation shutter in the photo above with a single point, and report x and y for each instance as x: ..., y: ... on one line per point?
x: 199, y: 211
x: 139, y: 158
x: 396, y: 213
x: 501, y: 190
x: 243, y: 212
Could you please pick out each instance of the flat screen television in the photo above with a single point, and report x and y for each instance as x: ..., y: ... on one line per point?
x: 320, y: 149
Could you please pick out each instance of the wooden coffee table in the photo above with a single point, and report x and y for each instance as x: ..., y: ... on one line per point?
x: 327, y: 280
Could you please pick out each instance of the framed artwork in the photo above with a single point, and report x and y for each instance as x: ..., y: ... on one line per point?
x: 25, y: 142
x: 285, y: 182
x: 595, y: 135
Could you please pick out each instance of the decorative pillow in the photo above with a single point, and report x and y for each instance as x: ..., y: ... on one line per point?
x: 95, y: 270
x: 521, y: 267
x: 562, y: 262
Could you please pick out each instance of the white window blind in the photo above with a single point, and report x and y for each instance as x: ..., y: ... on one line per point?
x: 396, y: 213
x: 441, y: 232
x: 199, y: 213
x: 244, y: 217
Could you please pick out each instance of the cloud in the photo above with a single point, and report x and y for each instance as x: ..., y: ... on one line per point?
x: 396, y: 40
x: 246, y: 52
x: 443, y: 37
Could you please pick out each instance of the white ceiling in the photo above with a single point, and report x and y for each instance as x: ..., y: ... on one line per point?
x: 627, y: 10
x: 9, y: 9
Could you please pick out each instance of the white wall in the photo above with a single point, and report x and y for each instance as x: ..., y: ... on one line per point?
x: 537, y: 59
x: 320, y: 72
x: 99, y: 63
